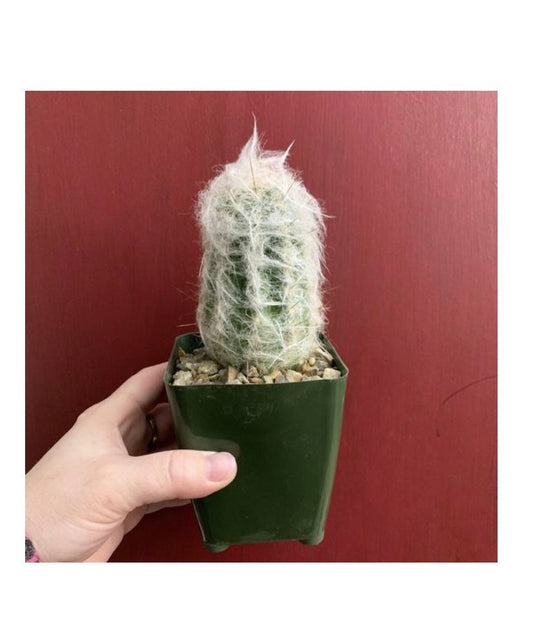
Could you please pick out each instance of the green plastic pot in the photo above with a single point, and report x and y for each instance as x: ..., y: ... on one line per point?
x: 285, y: 438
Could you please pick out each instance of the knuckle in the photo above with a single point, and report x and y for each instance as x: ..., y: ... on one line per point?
x: 185, y: 470
x: 88, y: 415
x: 84, y: 417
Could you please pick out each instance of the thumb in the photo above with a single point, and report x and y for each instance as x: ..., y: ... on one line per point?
x: 177, y: 474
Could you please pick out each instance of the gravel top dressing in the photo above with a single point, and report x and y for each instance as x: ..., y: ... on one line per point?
x: 198, y: 368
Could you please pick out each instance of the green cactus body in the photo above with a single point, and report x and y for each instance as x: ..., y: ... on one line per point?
x: 261, y: 275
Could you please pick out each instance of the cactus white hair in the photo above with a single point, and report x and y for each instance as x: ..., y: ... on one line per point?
x: 261, y: 278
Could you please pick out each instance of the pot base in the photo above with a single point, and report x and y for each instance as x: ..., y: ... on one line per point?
x: 316, y: 539
x: 216, y: 547
x: 220, y: 547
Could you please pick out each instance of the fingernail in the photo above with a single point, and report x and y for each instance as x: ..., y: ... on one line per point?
x: 221, y: 466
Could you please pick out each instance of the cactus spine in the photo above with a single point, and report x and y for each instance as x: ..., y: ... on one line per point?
x: 260, y: 300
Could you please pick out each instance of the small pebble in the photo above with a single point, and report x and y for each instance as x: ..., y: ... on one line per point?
x: 331, y: 374
x: 308, y: 370
x: 187, y: 362
x: 310, y: 378
x: 182, y: 378
x: 279, y: 378
x: 325, y: 355
x: 321, y: 364
x: 256, y: 380
x: 250, y: 371
x: 293, y: 376
x: 208, y: 367
x: 202, y: 380
x: 231, y: 375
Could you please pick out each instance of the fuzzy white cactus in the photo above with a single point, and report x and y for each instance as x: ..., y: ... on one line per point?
x: 260, y: 300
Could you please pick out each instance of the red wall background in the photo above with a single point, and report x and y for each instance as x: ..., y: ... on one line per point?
x: 410, y: 178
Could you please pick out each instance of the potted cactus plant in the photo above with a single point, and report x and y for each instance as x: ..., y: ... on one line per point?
x: 260, y: 379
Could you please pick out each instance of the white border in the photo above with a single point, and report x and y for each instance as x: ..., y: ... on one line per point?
x: 279, y: 45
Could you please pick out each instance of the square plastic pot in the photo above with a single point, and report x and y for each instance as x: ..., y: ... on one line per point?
x: 285, y: 438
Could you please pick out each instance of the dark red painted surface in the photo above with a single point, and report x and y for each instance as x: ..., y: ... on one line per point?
x: 410, y: 179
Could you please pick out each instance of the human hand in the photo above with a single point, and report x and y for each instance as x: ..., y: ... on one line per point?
x: 94, y: 485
